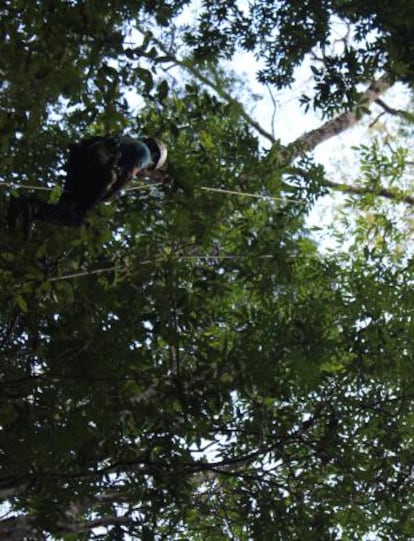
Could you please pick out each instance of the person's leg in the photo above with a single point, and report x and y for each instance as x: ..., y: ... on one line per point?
x: 23, y: 211
x: 61, y: 213
x: 86, y: 191
x: 90, y: 173
x: 18, y: 217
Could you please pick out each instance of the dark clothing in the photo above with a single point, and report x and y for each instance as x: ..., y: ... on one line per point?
x: 86, y: 183
x: 97, y: 168
x: 60, y: 213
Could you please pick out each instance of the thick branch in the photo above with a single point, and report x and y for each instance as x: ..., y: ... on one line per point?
x: 392, y: 194
x: 341, y: 123
x: 363, y: 190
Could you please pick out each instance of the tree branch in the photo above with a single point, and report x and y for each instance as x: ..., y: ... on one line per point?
x: 363, y: 190
x: 394, y: 195
x: 25, y: 526
x: 190, y: 67
x: 310, y: 140
x: 8, y: 334
x: 18, y: 528
x: 394, y: 112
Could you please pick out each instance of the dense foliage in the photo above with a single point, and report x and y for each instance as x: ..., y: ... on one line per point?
x: 189, y: 364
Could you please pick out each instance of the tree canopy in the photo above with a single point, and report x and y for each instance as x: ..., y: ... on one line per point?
x: 192, y: 363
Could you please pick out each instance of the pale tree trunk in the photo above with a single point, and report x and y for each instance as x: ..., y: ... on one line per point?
x: 310, y: 140
x: 283, y: 156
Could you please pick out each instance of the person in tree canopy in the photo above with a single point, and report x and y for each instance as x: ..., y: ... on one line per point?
x: 98, y: 168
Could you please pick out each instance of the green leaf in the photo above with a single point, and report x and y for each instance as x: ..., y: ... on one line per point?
x: 162, y: 90
x: 21, y: 303
x: 146, y: 77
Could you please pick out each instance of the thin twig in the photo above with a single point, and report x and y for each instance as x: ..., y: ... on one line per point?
x: 143, y: 187
x: 392, y: 111
x: 158, y: 184
x: 376, y: 119
x: 190, y: 67
x: 10, y: 330
x: 247, y: 194
x: 156, y: 260
x: 85, y: 273
x: 24, y: 186
x: 46, y: 189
